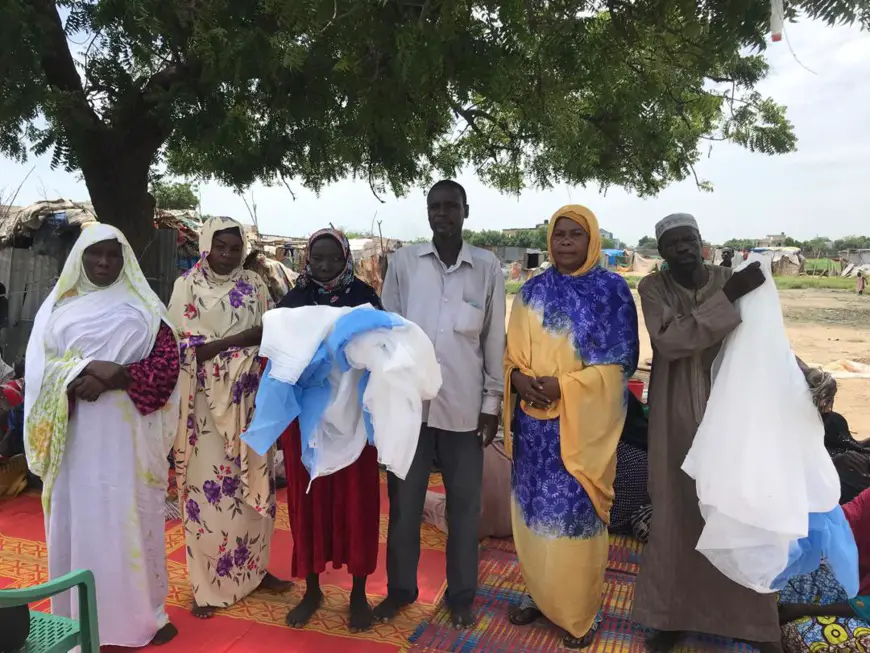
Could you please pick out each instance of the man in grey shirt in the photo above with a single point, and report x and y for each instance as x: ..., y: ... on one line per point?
x: 456, y: 294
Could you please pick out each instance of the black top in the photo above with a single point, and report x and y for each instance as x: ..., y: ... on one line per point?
x: 838, y: 438
x: 634, y: 432
x: 357, y: 293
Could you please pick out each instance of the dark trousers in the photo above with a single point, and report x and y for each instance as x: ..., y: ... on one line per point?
x: 461, y: 461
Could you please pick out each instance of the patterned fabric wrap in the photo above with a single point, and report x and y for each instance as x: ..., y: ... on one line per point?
x: 74, y: 299
x: 597, y: 309
x: 640, y: 523
x: 205, y: 307
x: 345, y: 278
x: 212, y: 287
x: 554, y: 503
x: 154, y: 378
x: 629, y: 486
x: 821, y: 634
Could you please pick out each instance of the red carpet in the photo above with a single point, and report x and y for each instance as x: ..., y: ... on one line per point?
x: 257, y: 623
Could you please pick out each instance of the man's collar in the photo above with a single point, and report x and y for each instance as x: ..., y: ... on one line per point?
x: 464, y: 253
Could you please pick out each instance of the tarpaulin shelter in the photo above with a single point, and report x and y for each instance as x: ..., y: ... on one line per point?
x: 639, y: 265
x: 785, y: 261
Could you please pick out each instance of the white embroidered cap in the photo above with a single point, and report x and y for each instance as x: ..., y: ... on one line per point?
x: 673, y: 221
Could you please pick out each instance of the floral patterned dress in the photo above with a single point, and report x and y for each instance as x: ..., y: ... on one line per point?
x: 227, y: 491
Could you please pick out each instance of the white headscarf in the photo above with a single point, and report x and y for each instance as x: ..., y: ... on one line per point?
x: 76, y: 300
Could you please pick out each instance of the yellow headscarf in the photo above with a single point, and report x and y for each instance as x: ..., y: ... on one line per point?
x: 586, y: 219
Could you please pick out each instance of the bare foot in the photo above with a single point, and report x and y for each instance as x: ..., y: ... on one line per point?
x: 302, y: 613
x: 273, y: 584
x: 361, y: 614
x: 389, y: 608
x: 664, y: 641
x: 165, y: 635
x: 462, y: 617
x: 202, y: 611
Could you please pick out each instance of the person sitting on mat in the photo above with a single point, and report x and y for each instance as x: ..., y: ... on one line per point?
x: 818, y: 594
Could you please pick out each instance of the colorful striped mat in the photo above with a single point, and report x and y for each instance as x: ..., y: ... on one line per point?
x: 502, y: 588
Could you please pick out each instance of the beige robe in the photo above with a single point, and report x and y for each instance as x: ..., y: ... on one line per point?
x: 678, y: 589
x: 226, y: 490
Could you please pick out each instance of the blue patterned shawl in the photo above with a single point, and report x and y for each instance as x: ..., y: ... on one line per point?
x: 596, y: 308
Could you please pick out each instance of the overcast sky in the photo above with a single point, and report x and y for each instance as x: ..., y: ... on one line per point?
x: 823, y: 189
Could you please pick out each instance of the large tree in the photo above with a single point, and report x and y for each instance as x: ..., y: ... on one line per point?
x: 528, y: 92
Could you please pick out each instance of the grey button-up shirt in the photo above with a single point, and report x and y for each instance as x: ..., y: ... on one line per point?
x: 462, y: 310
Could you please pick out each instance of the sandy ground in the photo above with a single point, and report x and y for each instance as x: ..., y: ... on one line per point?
x: 824, y: 326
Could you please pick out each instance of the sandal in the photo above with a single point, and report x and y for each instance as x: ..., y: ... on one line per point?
x: 525, y: 616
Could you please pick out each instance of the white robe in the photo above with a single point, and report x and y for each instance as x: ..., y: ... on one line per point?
x: 105, y: 511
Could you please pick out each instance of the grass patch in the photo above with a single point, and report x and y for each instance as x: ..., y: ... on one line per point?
x: 782, y: 283
x: 820, y: 283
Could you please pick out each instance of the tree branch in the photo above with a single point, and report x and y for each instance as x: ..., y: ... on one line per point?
x: 59, y: 66
x: 287, y: 186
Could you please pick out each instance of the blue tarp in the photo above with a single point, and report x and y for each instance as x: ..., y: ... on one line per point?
x: 612, y: 255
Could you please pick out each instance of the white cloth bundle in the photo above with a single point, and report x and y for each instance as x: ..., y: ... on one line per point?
x: 291, y: 337
x: 757, y: 484
x: 404, y: 374
x: 321, y: 360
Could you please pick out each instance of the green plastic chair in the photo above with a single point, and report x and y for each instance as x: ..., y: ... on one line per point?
x: 50, y: 633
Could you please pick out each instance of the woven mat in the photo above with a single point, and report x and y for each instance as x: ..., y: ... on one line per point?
x: 501, y: 588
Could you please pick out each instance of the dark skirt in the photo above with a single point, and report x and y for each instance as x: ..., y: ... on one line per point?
x: 338, y: 521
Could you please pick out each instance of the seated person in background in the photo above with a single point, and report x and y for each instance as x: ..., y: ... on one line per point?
x: 631, y: 503
x: 14, y: 475
x: 851, y: 458
x: 11, y: 397
x: 835, y: 618
x: 278, y: 278
x: 495, y: 505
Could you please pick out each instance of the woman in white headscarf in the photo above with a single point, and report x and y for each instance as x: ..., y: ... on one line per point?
x: 100, y: 413
x: 227, y: 491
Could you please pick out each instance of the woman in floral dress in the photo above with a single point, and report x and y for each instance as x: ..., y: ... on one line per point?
x: 227, y: 491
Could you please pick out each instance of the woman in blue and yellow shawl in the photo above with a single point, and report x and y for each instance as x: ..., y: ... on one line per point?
x: 572, y: 344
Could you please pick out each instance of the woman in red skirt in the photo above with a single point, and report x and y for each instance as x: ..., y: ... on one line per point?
x: 338, y: 520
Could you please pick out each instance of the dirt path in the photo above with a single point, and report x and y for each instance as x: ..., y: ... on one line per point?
x: 823, y: 326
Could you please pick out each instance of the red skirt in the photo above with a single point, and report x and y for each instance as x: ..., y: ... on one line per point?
x: 338, y: 521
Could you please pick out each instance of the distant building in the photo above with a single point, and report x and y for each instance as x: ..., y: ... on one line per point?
x: 607, y: 234
x: 773, y: 241
x: 522, y: 230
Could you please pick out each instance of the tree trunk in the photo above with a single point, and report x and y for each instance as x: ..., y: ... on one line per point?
x: 118, y: 186
x: 119, y: 192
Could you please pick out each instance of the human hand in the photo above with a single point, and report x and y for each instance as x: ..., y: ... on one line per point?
x: 744, y: 281
x: 208, y: 351
x: 529, y: 389
x: 551, y: 388
x: 111, y: 375
x: 487, y: 427
x: 86, y: 388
